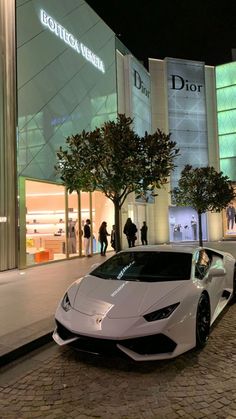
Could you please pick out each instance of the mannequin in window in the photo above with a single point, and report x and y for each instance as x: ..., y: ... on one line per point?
x: 230, y: 215
x: 194, y: 227
x: 71, y: 237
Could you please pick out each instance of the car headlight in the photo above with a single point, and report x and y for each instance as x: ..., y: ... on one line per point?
x: 163, y: 313
x: 66, y: 302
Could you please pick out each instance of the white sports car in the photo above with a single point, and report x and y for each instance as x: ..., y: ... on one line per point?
x: 149, y: 302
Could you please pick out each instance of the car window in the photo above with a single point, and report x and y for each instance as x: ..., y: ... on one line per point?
x: 203, y: 263
x: 146, y: 266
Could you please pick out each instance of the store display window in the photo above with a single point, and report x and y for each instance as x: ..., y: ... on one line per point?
x: 45, y: 222
x: 73, y: 239
x: 54, y: 221
x: 229, y: 219
x: 183, y: 224
x: 103, y: 210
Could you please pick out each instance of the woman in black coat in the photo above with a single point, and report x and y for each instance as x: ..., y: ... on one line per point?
x: 103, y: 237
x: 130, y: 231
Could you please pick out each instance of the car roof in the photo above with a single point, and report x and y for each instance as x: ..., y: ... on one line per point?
x: 163, y: 248
x: 178, y: 248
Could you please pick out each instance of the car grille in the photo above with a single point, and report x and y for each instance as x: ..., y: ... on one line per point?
x: 146, y: 345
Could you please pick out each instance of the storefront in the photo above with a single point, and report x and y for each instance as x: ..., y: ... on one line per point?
x: 52, y: 221
x: 183, y: 225
x: 184, y: 104
x: 66, y: 82
x: 229, y: 220
x: 67, y: 73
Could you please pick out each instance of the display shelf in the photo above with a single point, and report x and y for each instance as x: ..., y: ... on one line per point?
x: 48, y: 222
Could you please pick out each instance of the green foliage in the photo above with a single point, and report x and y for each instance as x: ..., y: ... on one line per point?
x: 113, y: 159
x: 204, y: 189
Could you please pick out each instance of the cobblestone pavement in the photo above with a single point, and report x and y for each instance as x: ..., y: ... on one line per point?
x: 59, y: 383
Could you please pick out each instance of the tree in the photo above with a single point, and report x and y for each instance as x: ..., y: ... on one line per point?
x: 113, y: 159
x: 204, y: 189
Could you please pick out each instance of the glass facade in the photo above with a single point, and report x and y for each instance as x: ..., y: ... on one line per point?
x: 54, y: 221
x: 66, y: 79
x: 66, y: 83
x: 226, y: 114
x: 187, y: 113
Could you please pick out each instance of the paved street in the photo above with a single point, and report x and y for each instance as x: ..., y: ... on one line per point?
x: 62, y: 384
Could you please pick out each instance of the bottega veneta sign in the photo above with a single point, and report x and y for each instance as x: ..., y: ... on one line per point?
x: 138, y: 82
x: 179, y: 83
x: 70, y: 40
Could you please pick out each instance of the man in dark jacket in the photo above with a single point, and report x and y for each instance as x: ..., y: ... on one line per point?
x: 130, y: 231
x: 87, y: 238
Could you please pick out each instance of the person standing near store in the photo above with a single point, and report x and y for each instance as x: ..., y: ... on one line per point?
x: 144, y: 230
x: 87, y: 238
x: 113, y: 237
x: 130, y: 231
x: 103, y: 233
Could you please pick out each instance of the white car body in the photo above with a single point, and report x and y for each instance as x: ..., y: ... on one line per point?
x: 112, y: 310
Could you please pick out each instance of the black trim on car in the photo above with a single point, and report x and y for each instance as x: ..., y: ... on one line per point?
x: 145, y: 345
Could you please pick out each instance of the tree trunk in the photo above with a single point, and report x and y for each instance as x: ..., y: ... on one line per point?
x: 117, y: 224
x: 200, y: 228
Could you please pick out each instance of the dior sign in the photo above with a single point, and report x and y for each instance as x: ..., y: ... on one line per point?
x: 179, y: 83
x: 139, y: 84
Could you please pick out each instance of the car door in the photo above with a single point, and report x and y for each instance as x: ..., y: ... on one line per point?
x: 214, y: 285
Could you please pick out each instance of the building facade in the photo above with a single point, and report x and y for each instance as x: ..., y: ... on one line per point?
x: 63, y: 70
x: 184, y: 104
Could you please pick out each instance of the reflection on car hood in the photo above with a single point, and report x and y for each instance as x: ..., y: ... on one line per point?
x: 120, y: 299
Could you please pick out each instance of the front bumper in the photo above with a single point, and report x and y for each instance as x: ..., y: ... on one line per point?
x: 151, y: 347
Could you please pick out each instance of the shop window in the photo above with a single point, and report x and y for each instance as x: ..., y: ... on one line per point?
x: 73, y: 239
x: 103, y: 210
x: 45, y: 222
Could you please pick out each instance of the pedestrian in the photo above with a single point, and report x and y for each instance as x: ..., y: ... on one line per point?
x: 113, y: 237
x: 144, y: 230
x: 130, y: 231
x: 103, y: 237
x: 87, y: 238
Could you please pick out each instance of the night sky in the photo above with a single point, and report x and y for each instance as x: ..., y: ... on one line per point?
x: 202, y: 30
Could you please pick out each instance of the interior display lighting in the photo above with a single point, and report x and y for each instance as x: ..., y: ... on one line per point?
x: 70, y: 40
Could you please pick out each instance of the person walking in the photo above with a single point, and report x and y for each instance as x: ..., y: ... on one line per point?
x: 103, y: 237
x: 130, y: 231
x: 144, y: 230
x: 87, y: 238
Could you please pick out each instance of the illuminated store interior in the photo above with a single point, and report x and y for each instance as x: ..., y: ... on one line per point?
x: 54, y: 221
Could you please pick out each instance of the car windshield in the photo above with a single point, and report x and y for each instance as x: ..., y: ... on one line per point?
x: 146, y: 266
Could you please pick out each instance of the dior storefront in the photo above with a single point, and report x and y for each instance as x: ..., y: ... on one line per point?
x: 183, y: 103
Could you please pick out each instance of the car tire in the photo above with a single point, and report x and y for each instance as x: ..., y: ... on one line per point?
x: 234, y: 284
x: 203, y: 321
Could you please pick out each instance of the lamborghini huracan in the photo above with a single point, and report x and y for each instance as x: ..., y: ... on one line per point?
x: 148, y: 302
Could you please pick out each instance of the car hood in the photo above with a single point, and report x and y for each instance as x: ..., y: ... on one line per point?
x: 121, y: 299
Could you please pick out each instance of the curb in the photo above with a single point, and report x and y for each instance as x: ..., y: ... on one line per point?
x: 25, y: 349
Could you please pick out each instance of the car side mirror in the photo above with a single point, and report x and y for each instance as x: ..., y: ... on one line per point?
x: 216, y: 272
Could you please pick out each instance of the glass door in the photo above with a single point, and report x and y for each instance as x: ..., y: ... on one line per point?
x: 45, y: 222
x: 73, y: 223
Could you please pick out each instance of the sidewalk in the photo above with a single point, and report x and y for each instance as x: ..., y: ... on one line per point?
x: 29, y: 299
x: 28, y: 302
